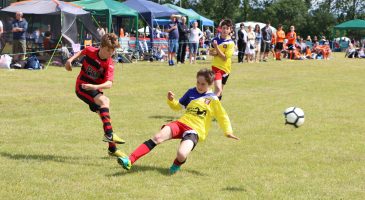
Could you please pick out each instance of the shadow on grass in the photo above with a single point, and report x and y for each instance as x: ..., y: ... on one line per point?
x: 166, y: 118
x: 234, y: 189
x: 162, y: 170
x: 47, y: 157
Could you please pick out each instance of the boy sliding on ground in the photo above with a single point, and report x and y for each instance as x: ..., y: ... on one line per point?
x: 97, y: 73
x: 221, y: 65
x: 200, y: 104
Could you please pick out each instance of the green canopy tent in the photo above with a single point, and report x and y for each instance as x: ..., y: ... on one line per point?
x: 109, y: 8
x: 356, y: 24
x: 189, y: 14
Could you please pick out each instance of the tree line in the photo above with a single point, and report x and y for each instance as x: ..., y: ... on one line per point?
x: 310, y: 17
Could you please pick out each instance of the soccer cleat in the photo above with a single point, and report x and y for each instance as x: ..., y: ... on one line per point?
x: 117, y: 153
x: 113, y: 138
x: 174, y: 168
x: 125, y: 162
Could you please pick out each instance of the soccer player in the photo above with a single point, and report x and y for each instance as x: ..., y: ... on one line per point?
x: 291, y: 36
x: 97, y: 73
x: 221, y: 65
x: 200, y: 105
x: 280, y: 36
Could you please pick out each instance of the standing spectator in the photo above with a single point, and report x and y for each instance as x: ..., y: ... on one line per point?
x: 100, y: 31
x: 291, y: 36
x: 234, y: 36
x: 20, y: 26
x: 315, y: 39
x: 280, y: 36
x: 242, y: 42
x: 183, y: 40
x: 208, y: 37
x: 2, y: 41
x: 258, y: 39
x: 250, y: 48
x: 173, y: 40
x: 266, y: 41
x: 195, y: 35
x: 121, y: 32
x: 157, y: 33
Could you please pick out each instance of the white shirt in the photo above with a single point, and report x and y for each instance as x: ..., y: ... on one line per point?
x: 195, y: 35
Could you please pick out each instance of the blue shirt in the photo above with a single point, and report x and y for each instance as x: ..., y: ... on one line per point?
x: 174, y: 34
x: 21, y: 34
x: 192, y: 94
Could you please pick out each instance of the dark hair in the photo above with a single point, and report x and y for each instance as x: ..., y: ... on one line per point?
x: 227, y: 22
x: 280, y: 25
x: 242, y: 24
x: 259, y: 29
x: 110, y: 40
x: 207, y: 74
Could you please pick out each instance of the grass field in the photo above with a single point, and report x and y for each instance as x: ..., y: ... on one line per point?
x: 51, y: 148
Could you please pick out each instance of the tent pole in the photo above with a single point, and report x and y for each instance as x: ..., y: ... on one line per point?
x: 54, y: 51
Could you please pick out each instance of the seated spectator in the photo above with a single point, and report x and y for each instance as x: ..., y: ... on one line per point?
x: 48, y: 44
x: 351, y: 51
x: 308, y: 53
x: 159, y: 54
x: 362, y: 53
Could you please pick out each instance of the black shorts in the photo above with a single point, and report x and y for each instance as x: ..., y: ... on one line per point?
x: 88, y: 96
x: 265, y: 46
x: 225, y: 79
x: 279, y: 46
x: 191, y: 136
x: 291, y: 47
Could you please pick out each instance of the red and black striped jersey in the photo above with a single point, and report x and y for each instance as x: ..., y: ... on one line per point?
x: 95, y: 70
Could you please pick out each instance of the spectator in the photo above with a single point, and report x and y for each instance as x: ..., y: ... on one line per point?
x: 48, y: 43
x: 2, y: 42
x: 250, y: 47
x: 323, y: 40
x: 315, y: 40
x: 100, y: 31
x: 258, y: 42
x: 362, y: 53
x: 195, y: 35
x: 157, y: 33
x: 20, y: 26
x: 303, y: 46
x: 233, y: 35
x: 121, y: 32
x: 242, y: 42
x: 280, y: 36
x: 266, y: 41
x: 208, y: 37
x: 173, y: 40
x: 183, y: 40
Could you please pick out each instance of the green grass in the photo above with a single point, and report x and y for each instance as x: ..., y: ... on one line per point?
x: 51, y: 148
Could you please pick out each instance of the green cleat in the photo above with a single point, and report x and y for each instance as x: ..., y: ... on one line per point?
x: 113, y: 138
x: 125, y: 162
x: 117, y: 153
x: 174, y: 168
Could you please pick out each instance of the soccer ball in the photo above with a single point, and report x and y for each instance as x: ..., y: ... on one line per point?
x: 294, y: 116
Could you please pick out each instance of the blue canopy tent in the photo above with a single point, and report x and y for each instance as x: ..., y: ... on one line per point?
x: 149, y: 11
x: 204, y: 21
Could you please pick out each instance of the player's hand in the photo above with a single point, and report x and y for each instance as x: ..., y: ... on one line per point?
x: 68, y: 65
x: 215, y: 43
x: 170, y: 95
x: 233, y: 136
x: 88, y: 87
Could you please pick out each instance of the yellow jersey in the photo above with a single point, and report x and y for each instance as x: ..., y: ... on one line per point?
x: 226, y: 46
x: 199, y: 110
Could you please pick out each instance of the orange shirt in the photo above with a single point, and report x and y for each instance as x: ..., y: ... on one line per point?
x: 291, y: 36
x: 280, y: 36
x: 308, y: 52
x: 273, y: 39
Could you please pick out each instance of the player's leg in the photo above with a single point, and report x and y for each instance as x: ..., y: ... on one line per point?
x: 186, y: 146
x: 218, y: 88
x: 164, y: 134
x: 103, y: 102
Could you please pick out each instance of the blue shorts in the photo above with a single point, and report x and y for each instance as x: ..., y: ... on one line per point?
x: 173, y: 45
x: 193, y: 47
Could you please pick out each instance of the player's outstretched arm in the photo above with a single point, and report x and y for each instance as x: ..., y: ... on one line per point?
x: 172, y: 102
x: 68, y: 64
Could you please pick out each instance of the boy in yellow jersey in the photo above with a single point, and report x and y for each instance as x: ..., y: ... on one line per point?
x: 221, y: 65
x: 200, y: 105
